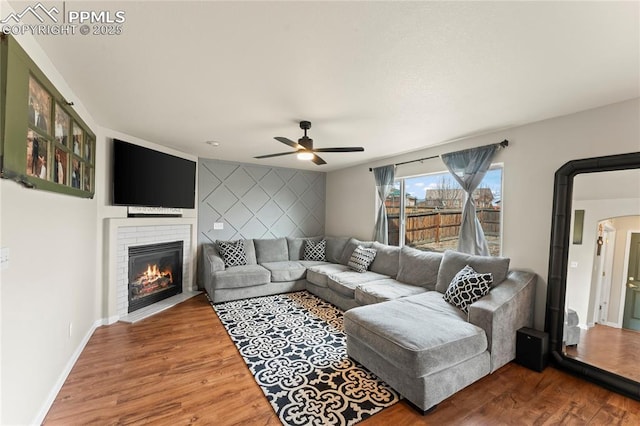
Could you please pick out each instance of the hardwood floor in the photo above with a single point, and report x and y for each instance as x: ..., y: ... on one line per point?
x: 180, y: 368
x: 612, y: 349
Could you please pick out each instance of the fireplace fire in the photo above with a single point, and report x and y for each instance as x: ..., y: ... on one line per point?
x: 155, y: 273
x: 150, y: 281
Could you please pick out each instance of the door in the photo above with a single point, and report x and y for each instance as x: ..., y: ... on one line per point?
x: 631, y: 317
x: 605, y: 272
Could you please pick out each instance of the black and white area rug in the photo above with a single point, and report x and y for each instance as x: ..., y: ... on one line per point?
x: 295, y: 346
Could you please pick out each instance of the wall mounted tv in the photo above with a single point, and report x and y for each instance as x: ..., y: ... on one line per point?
x: 148, y: 178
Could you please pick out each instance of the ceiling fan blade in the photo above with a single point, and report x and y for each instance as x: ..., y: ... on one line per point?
x: 288, y: 142
x: 275, y: 155
x: 319, y: 161
x: 342, y: 149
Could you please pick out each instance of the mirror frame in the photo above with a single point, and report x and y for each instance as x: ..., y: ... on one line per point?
x: 558, y: 262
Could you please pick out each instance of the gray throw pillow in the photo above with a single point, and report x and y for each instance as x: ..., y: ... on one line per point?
x: 417, y: 267
x: 232, y: 253
x: 387, y: 259
x: 467, y: 287
x: 361, y: 258
x: 454, y: 261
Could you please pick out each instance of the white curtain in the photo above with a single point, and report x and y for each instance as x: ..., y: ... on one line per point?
x: 384, y: 177
x: 469, y: 167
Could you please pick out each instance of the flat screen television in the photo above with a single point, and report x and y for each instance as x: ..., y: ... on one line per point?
x: 148, y: 178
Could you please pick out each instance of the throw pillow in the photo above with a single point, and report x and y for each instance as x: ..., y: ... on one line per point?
x: 314, y: 250
x: 361, y: 258
x: 467, y: 287
x: 232, y: 253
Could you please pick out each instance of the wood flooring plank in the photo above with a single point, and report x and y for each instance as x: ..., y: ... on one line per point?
x: 180, y: 367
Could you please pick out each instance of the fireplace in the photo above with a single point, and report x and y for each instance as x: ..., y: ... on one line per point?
x: 155, y: 273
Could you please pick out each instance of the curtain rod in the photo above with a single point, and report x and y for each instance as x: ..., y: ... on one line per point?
x: 503, y: 144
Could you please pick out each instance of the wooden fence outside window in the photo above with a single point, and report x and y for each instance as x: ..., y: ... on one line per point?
x: 435, y: 226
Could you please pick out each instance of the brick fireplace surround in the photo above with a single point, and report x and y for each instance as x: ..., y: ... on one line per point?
x: 121, y: 233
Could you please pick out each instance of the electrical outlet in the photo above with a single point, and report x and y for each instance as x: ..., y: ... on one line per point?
x: 218, y: 226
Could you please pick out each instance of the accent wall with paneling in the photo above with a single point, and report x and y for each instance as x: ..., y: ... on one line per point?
x: 251, y: 201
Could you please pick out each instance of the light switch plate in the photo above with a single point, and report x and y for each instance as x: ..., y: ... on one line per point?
x: 218, y: 226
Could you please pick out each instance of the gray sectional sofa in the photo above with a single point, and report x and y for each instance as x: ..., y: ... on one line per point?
x: 397, y: 322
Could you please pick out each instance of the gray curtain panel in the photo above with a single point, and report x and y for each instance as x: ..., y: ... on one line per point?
x: 468, y: 167
x: 384, y: 177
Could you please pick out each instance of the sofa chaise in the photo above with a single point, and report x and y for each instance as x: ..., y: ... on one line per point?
x: 412, y: 317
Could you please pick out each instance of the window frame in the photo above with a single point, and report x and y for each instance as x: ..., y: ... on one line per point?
x: 403, y: 196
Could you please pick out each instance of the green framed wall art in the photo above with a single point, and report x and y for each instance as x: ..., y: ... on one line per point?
x: 44, y: 143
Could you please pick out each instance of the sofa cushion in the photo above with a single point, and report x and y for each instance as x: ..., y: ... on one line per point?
x: 387, y: 259
x: 419, y: 267
x: 350, y: 246
x: 271, y: 250
x: 250, y: 251
x: 309, y: 263
x: 315, y: 250
x: 467, y: 287
x: 285, y: 271
x: 241, y: 276
x: 335, y: 247
x: 453, y: 262
x: 433, y: 301
x: 296, y: 246
x: 232, y: 252
x: 361, y: 258
x: 383, y: 290
x: 319, y: 274
x: 345, y: 283
x: 415, y: 339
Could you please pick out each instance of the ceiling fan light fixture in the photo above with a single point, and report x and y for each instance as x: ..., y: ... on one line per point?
x: 305, y: 156
x: 304, y: 148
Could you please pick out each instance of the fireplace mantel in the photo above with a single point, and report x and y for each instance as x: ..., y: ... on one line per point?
x: 122, y: 232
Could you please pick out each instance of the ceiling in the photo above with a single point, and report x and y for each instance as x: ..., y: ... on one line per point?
x: 392, y: 77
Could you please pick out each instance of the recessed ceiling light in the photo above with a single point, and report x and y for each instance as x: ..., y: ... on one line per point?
x: 213, y: 143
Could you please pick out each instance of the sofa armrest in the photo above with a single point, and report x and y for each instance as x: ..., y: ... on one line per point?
x: 507, y: 308
x: 211, y: 263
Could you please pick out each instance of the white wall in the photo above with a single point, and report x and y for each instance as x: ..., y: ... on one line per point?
x: 56, y: 275
x: 50, y: 283
x: 535, y: 152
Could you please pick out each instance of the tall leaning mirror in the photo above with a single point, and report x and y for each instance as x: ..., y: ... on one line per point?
x: 593, y: 304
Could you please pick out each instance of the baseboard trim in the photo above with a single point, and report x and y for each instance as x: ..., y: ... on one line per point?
x: 65, y: 373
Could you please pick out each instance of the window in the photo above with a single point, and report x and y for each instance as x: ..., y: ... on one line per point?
x: 425, y: 211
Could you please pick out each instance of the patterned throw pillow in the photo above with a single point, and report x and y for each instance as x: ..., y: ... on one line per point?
x: 467, y: 287
x: 314, y: 250
x: 232, y: 253
x: 361, y: 258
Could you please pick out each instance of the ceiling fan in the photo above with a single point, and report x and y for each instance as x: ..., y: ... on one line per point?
x: 304, y: 147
